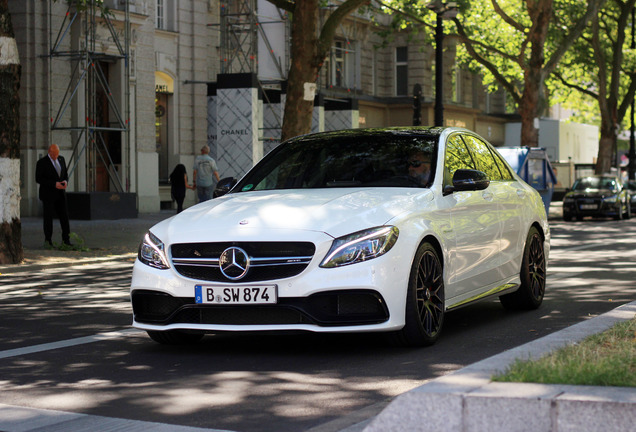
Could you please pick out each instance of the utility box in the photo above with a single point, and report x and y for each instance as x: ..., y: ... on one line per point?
x: 533, y: 166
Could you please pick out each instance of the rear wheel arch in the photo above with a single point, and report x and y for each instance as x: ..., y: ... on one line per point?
x: 532, y: 273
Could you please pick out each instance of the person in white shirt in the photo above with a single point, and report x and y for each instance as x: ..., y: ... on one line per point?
x: 205, y: 175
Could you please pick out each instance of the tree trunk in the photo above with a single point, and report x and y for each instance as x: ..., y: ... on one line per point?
x: 10, y: 227
x: 303, y: 72
x: 528, y: 112
x: 533, y: 100
x: 308, y: 52
x: 606, y: 145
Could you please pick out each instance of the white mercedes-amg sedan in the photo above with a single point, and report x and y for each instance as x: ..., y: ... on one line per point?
x: 368, y: 230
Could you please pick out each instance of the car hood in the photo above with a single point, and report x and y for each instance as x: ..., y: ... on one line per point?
x: 590, y: 193
x: 271, y: 214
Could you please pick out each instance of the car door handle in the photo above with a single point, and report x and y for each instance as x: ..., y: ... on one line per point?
x: 521, y: 193
x: 487, y: 196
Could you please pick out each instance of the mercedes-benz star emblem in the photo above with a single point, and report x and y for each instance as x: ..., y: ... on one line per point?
x: 234, y: 263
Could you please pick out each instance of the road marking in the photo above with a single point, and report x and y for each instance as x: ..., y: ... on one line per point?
x: 23, y: 419
x: 68, y: 343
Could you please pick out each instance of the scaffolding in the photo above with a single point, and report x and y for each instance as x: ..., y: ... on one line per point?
x: 242, y: 30
x: 89, y: 41
x: 241, y: 27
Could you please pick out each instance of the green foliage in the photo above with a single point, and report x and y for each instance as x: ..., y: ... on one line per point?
x: 77, y: 243
x: 583, y: 72
x: 501, y: 37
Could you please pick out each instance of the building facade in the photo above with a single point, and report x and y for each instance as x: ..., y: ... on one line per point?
x: 129, y: 95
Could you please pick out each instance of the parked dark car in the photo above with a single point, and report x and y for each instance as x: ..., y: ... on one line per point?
x: 630, y: 185
x: 597, y: 196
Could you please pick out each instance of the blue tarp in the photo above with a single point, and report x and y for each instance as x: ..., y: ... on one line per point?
x: 533, y: 166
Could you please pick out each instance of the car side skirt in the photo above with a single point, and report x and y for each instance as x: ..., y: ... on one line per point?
x: 494, y: 292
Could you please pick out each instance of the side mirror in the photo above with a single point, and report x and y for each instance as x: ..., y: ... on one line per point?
x: 223, y: 186
x: 470, y: 180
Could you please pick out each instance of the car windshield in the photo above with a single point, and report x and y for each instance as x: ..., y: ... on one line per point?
x: 346, y: 160
x: 594, y: 183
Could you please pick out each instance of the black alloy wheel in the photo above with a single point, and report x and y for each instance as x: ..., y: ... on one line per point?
x: 425, y: 303
x: 533, y: 271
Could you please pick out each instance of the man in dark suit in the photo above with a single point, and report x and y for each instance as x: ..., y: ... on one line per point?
x: 51, y: 174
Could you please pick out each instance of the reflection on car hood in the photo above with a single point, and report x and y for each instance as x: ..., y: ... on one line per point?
x: 333, y: 211
x: 591, y: 193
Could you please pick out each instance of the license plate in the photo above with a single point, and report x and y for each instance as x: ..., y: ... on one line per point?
x: 262, y: 294
x: 589, y: 206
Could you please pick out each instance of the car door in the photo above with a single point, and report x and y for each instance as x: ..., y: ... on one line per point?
x: 475, y: 224
x: 508, y: 197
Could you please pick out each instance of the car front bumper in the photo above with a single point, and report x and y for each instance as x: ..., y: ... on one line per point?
x: 367, y: 296
x: 597, y: 207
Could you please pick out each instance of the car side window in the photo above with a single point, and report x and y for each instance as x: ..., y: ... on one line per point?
x: 457, y: 157
x: 503, y: 167
x: 483, y: 157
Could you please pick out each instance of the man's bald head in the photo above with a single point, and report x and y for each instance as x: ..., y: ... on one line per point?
x: 54, y: 151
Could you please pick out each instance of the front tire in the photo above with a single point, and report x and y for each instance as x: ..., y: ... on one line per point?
x: 174, y: 337
x: 425, y: 306
x: 532, y: 289
x: 619, y: 215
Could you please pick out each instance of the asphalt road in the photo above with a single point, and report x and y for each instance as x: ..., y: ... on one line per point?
x: 66, y: 344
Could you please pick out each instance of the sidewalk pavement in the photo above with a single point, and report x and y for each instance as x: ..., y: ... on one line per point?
x: 105, y: 240
x: 465, y: 400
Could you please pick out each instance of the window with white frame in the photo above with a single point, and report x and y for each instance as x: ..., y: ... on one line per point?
x: 165, y: 15
x: 401, y: 71
x: 341, y: 65
x: 161, y: 14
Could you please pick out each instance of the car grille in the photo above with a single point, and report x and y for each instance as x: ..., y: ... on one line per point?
x: 268, y: 260
x: 589, y: 204
x: 351, y: 307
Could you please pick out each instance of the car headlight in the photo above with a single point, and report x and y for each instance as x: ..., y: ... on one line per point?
x: 152, y: 252
x: 360, y: 246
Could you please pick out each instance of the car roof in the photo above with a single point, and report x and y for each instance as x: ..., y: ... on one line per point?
x: 367, y: 132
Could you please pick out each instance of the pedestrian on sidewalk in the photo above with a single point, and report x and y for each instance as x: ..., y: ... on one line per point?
x: 52, y: 176
x: 205, y: 174
x: 178, y: 185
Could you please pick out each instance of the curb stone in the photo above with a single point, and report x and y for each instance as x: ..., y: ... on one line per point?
x: 467, y: 400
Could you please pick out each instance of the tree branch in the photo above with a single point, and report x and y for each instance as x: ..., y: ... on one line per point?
x: 508, y: 86
x: 406, y: 14
x: 575, y: 86
x: 329, y: 28
x: 284, y: 4
x: 622, y: 109
x: 507, y: 17
x: 593, y: 7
